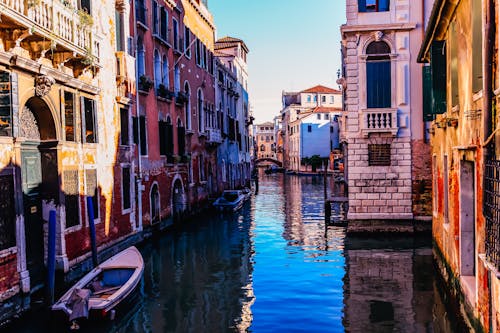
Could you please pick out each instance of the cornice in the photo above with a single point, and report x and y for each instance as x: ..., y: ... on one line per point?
x: 372, y: 27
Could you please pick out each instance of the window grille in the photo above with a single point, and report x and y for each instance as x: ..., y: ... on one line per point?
x: 491, y: 211
x: 379, y: 154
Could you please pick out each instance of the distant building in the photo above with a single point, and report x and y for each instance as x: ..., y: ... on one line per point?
x: 233, y: 109
x: 264, y: 140
x: 388, y: 154
x: 315, y: 108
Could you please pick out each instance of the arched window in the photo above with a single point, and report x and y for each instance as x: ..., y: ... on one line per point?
x: 181, y: 138
x: 157, y: 64
x: 165, y: 78
x: 378, y: 75
x: 177, y: 78
x: 140, y: 58
x: 200, y: 111
x: 187, y: 105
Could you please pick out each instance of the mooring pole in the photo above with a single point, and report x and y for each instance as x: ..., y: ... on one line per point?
x: 90, y: 212
x: 51, y: 258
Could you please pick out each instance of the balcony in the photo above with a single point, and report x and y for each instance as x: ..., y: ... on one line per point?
x: 57, y: 23
x: 125, y: 74
x: 214, y: 136
x: 379, y: 121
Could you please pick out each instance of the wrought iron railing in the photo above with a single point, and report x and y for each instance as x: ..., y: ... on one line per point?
x: 491, y: 211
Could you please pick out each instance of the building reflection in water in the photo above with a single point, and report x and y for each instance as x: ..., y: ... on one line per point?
x: 198, y: 280
x: 390, y: 286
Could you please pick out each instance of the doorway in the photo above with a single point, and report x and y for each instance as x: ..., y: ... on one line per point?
x: 467, y: 219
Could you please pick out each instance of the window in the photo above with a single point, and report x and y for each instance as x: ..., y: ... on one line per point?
x: 89, y: 133
x: 373, y: 5
x: 315, y: 98
x: 143, y: 136
x: 177, y: 78
x: 126, y: 204
x: 124, y: 138
x: 155, y: 204
x: 378, y: 75
x: 5, y: 104
x: 155, y: 17
x: 318, y: 116
x: 309, y: 98
x: 92, y: 190
x: 323, y: 99
x: 165, y: 72
x: 141, y: 69
x: 200, y: 112
x: 309, y: 128
x: 332, y: 99
x: 181, y: 139
x: 446, y: 188
x: 379, y: 154
x: 157, y: 66
x: 72, y: 198
x: 119, y: 29
x: 140, y: 11
x: 477, y: 41
x: 197, y: 53
x: 69, y: 116
x: 187, y: 41
x: 175, y: 27
x: 453, y: 48
x: 164, y: 24
x: 327, y: 116
x: 187, y: 106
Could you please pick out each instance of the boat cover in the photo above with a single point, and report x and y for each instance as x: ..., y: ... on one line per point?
x: 78, y: 304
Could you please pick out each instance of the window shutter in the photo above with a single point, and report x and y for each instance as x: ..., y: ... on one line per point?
x: 361, y: 6
x: 161, y: 135
x: 438, y: 71
x: 383, y: 5
x: 169, y: 139
x: 135, y: 129
x: 378, y: 84
x: 181, y: 140
x: 427, y: 93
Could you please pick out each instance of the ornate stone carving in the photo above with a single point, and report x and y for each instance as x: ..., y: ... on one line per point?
x: 43, y: 84
x: 28, y: 127
x: 378, y: 35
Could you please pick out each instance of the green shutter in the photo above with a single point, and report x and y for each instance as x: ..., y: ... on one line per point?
x: 439, y: 79
x: 427, y: 93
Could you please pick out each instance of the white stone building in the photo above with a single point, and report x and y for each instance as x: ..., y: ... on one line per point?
x: 388, y: 157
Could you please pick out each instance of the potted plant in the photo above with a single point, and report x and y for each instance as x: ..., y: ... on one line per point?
x: 164, y: 92
x: 145, y: 83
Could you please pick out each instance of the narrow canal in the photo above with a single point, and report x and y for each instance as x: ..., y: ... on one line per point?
x: 274, y: 267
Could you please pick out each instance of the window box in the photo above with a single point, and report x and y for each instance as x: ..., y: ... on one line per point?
x: 145, y: 83
x: 181, y: 98
x: 164, y: 92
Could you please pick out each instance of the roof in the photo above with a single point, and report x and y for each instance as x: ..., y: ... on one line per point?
x: 322, y: 90
x: 441, y: 14
x: 230, y: 42
x: 325, y: 109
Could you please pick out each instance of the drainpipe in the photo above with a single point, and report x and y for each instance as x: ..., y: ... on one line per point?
x: 488, y: 46
x: 139, y: 163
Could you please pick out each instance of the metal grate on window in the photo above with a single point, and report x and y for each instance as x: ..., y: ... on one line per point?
x: 379, y: 154
x: 491, y: 211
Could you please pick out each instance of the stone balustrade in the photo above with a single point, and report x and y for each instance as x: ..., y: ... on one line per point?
x: 379, y: 121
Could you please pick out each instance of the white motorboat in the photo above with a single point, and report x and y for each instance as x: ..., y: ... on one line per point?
x: 231, y: 200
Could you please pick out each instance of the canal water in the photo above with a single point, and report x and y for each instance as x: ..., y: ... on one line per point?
x: 274, y: 267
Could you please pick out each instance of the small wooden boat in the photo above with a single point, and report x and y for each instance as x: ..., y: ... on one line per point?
x: 231, y: 200
x: 99, y: 292
x: 246, y: 192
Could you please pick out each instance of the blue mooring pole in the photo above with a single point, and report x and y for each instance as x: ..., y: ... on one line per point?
x: 90, y: 212
x: 51, y: 258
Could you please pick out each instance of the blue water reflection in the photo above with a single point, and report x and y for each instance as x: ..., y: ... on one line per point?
x: 275, y: 267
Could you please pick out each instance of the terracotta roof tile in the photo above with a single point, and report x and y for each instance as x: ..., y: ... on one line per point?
x: 229, y: 42
x: 322, y: 90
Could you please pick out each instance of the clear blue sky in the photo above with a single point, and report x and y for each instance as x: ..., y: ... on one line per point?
x: 294, y: 45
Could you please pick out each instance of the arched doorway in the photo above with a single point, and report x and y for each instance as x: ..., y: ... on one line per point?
x: 178, y: 200
x: 155, y: 204
x: 39, y: 179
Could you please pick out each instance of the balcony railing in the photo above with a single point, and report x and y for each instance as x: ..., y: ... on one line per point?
x: 214, y: 135
x: 55, y: 21
x: 379, y: 121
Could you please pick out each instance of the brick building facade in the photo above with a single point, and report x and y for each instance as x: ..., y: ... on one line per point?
x: 385, y: 136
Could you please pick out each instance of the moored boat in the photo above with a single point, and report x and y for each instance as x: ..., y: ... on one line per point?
x: 230, y: 200
x: 103, y: 289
